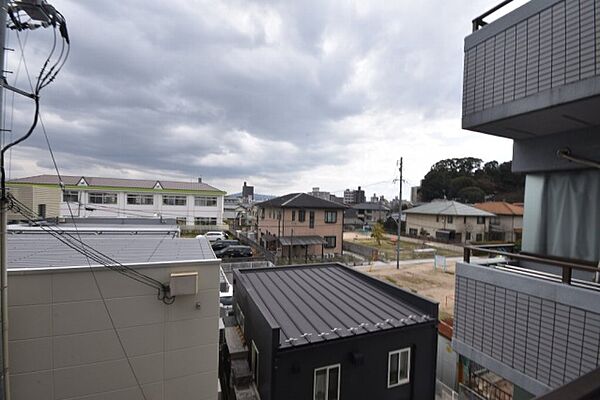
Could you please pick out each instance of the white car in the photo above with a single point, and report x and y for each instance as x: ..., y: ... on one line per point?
x: 213, y: 236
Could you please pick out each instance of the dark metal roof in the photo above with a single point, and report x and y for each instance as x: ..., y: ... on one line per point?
x: 371, y: 206
x: 300, y: 200
x: 92, y: 181
x: 301, y: 240
x: 315, y: 303
x: 37, y: 251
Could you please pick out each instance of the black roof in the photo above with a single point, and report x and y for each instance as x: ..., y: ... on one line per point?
x: 371, y: 206
x: 316, y: 303
x: 300, y: 200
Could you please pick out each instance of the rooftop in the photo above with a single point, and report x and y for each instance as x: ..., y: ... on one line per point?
x: 38, y: 251
x: 78, y: 180
x: 315, y: 303
x: 371, y: 206
x: 301, y: 200
x: 500, y: 208
x: 447, y: 207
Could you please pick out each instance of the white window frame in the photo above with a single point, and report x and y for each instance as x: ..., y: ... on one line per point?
x: 203, y: 201
x: 70, y: 193
x: 327, y: 368
x: 400, y: 381
x: 167, y: 198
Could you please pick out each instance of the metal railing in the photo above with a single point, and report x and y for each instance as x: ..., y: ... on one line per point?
x: 479, y: 22
x: 565, y: 264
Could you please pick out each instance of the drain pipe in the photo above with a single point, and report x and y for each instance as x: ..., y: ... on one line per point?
x: 565, y: 153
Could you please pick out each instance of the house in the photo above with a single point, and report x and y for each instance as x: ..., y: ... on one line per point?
x: 80, y: 330
x: 327, y: 331
x: 507, y: 225
x: 192, y: 204
x: 299, y: 225
x: 448, y: 220
x: 371, y: 212
x: 531, y: 318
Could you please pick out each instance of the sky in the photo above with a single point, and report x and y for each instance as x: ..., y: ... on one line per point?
x: 286, y: 95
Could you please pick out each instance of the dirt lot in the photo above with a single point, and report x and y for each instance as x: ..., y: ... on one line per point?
x: 421, y: 278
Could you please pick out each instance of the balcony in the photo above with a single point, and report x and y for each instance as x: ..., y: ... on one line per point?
x: 535, y: 71
x: 531, y: 320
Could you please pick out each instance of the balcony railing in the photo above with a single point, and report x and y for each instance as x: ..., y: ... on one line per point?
x: 567, y: 266
x: 479, y: 22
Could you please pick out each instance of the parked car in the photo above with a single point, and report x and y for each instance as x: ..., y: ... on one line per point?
x: 234, y: 252
x: 213, y: 236
x: 221, y: 244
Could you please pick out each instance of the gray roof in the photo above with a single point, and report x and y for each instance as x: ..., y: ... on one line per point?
x: 73, y: 180
x: 311, y: 300
x: 371, y: 206
x: 300, y: 200
x: 301, y: 240
x: 447, y: 207
x: 46, y: 252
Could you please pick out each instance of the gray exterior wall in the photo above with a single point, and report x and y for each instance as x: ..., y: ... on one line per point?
x: 537, y: 334
x: 539, y: 49
x: 62, y: 345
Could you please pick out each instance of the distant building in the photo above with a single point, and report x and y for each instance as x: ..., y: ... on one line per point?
x: 507, y: 225
x: 371, y: 212
x: 316, y: 192
x: 300, y: 225
x: 354, y: 196
x: 330, y: 332
x: 247, y: 193
x: 62, y: 340
x: 414, y: 194
x: 448, y: 220
x: 190, y: 203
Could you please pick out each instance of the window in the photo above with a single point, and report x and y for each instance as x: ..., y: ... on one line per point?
x: 262, y: 213
x: 140, y: 199
x: 331, y: 240
x: 413, y: 232
x: 174, y: 200
x: 480, y: 220
x: 465, y: 220
x: 468, y: 236
x: 254, y: 362
x: 205, y: 221
x: 437, y: 218
x: 478, y: 237
x: 398, y: 367
x: 301, y: 216
x: 495, y: 221
x: 181, y: 220
x: 205, y: 201
x: 42, y: 211
x: 71, y: 196
x: 293, y: 215
x: 449, y: 219
x: 103, y: 198
x: 327, y: 383
x: 330, y: 217
x: 311, y: 219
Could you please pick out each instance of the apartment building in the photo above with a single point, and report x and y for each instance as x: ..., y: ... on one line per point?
x: 190, y: 203
x: 448, y: 220
x: 507, y: 225
x: 354, y: 196
x: 532, y: 318
x: 81, y: 331
x: 327, y: 331
x: 299, y: 225
x: 372, y: 212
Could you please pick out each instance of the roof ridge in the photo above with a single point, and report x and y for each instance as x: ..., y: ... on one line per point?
x: 291, y: 199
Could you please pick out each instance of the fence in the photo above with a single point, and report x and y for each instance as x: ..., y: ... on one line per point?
x: 258, y: 249
x: 443, y: 392
x: 370, y: 253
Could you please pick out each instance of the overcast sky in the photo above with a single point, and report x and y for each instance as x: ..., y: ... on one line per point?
x: 285, y: 95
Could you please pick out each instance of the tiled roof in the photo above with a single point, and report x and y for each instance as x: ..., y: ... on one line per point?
x: 371, y: 206
x: 500, y: 208
x: 446, y: 207
x: 72, y: 180
x: 300, y: 200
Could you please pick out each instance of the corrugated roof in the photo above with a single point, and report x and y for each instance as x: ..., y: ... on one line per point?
x: 301, y: 240
x: 72, y: 180
x: 324, y: 302
x: 44, y: 251
x: 300, y: 200
x: 448, y: 207
x: 500, y: 208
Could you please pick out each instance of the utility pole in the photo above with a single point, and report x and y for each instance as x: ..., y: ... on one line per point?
x: 3, y: 219
x: 399, y: 214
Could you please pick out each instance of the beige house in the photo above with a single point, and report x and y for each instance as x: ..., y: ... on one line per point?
x: 507, y: 225
x: 300, y: 225
x: 74, y: 334
x: 448, y: 220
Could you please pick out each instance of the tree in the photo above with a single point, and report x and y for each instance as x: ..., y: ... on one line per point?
x: 377, y: 233
x: 470, y: 194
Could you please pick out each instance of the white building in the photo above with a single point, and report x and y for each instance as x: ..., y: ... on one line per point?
x: 78, y: 334
x: 190, y: 203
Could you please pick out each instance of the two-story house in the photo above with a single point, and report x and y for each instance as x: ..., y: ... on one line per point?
x: 448, y: 220
x: 300, y: 225
x: 533, y: 318
x: 190, y: 203
x: 507, y: 225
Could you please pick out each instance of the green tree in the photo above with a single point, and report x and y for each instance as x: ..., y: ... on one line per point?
x: 377, y: 233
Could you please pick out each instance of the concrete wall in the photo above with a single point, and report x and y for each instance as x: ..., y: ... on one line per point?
x: 284, y: 227
x: 433, y: 223
x: 62, y: 345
